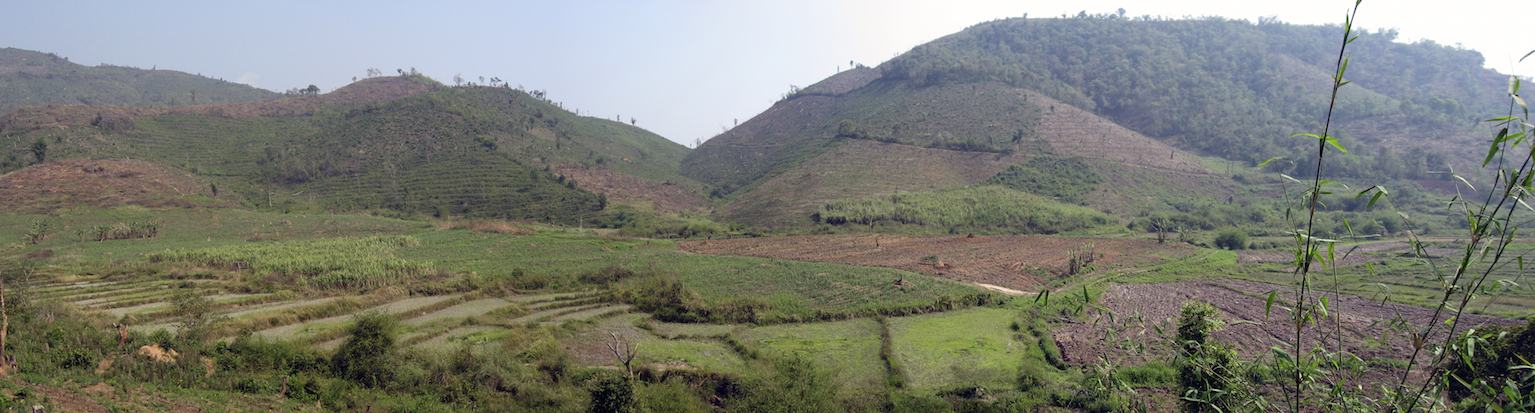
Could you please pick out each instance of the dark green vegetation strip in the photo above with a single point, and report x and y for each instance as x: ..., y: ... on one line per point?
x: 1064, y: 178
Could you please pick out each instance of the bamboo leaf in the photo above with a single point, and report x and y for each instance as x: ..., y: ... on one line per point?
x: 1464, y: 181
x: 1335, y: 143
x: 1502, y: 136
x: 1268, y: 306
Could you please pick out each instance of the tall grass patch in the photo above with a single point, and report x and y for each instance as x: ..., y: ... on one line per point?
x: 323, y: 263
x: 986, y: 210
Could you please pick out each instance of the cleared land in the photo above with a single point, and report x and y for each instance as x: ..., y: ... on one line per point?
x: 1362, y: 322
x: 1017, y: 262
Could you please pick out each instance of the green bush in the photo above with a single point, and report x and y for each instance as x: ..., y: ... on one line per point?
x: 612, y: 394
x: 1231, y: 238
x: 367, y: 356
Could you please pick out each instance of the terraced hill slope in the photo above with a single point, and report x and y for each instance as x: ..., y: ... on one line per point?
x: 405, y: 143
x: 29, y: 78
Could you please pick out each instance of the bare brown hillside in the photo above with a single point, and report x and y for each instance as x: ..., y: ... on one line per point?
x: 860, y: 168
x: 628, y: 189
x: 101, y: 183
x: 1075, y: 132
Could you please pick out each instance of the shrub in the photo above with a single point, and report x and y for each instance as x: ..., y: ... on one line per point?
x: 1231, y: 238
x: 367, y: 355
x: 612, y: 394
x: 1206, y: 368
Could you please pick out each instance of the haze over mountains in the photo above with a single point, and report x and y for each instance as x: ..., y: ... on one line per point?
x: 1113, y: 95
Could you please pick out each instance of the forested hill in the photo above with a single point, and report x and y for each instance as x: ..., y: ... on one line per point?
x: 1226, y: 87
x: 29, y: 78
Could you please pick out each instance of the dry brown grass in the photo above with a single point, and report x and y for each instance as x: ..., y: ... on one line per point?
x: 101, y: 183
x: 492, y: 226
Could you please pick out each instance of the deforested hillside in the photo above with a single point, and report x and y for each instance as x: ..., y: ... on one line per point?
x: 856, y: 135
x: 407, y: 144
x: 1231, y: 88
x: 1123, y: 94
x: 29, y: 78
x: 984, y: 117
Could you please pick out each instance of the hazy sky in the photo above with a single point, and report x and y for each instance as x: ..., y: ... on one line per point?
x: 683, y: 69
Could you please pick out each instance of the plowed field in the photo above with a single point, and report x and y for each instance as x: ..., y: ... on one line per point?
x: 1016, y: 262
x: 1363, y: 321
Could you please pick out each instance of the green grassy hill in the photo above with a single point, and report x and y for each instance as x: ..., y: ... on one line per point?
x: 406, y: 144
x: 29, y: 78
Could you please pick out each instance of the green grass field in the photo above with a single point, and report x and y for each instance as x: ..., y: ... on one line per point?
x: 963, y: 348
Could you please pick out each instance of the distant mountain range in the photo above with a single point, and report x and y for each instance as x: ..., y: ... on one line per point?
x: 29, y: 78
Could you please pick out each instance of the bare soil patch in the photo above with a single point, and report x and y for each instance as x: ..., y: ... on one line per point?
x: 101, y: 183
x: 1014, y: 262
x: 625, y: 189
x: 1362, y: 321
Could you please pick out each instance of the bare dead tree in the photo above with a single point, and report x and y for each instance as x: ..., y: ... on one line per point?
x: 624, y: 353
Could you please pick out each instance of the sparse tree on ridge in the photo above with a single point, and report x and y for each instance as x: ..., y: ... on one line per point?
x: 458, y: 80
x: 631, y: 121
x: 40, y: 149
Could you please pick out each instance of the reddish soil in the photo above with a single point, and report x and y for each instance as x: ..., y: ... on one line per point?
x: 100, y: 183
x: 1016, y: 262
x: 1364, y: 322
x: 623, y: 188
x: 375, y: 90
